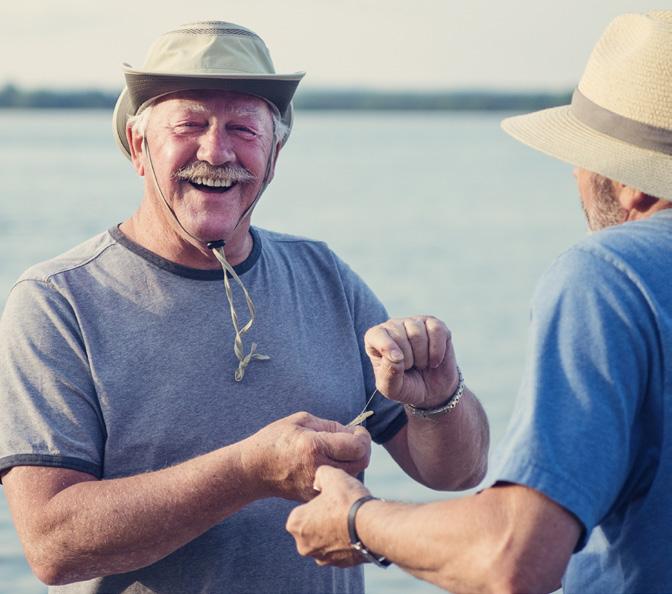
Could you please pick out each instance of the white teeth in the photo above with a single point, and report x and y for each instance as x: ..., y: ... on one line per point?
x: 213, y: 183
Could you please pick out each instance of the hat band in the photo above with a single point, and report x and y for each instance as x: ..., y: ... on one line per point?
x: 617, y: 126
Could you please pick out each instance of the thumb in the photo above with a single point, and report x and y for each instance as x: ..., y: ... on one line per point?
x: 389, y: 376
x: 345, y: 447
x: 325, y: 475
x: 326, y: 425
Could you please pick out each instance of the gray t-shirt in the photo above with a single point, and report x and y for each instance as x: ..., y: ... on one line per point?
x: 115, y: 361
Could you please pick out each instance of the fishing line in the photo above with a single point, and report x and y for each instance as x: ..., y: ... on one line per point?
x: 365, y: 414
x: 217, y: 248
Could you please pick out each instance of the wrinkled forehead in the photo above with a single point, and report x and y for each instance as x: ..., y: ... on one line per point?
x: 208, y: 101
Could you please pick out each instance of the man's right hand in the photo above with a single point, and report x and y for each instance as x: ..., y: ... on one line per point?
x: 286, y: 453
x: 69, y: 521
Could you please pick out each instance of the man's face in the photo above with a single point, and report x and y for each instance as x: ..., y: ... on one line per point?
x: 598, y: 200
x: 210, y: 151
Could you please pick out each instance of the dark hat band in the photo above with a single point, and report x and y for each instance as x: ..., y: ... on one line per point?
x: 620, y: 127
x: 142, y: 88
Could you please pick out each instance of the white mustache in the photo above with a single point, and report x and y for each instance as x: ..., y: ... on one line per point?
x: 203, y: 170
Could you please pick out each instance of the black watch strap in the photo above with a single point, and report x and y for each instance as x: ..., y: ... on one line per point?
x: 355, y: 542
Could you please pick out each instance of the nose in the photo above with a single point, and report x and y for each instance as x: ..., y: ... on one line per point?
x: 216, y: 147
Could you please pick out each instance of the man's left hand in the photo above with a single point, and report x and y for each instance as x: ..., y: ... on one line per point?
x: 413, y: 360
x: 320, y: 527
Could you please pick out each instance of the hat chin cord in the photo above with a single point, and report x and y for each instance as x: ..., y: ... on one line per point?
x: 217, y: 248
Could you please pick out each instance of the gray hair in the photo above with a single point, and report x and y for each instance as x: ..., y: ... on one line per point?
x: 139, y: 122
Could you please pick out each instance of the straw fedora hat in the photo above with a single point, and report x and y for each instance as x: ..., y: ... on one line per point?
x: 619, y: 123
x: 200, y: 56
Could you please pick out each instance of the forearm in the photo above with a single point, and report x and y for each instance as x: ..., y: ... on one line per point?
x: 471, y: 545
x: 74, y: 527
x: 95, y: 528
x: 450, y: 451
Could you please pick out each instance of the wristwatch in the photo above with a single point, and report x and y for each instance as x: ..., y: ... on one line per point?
x: 355, y: 542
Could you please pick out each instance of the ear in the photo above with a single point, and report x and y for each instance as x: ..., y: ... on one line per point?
x: 135, y: 143
x: 271, y: 173
x: 632, y: 199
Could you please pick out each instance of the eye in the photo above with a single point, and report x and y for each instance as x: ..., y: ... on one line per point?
x: 243, y: 131
x: 190, y: 125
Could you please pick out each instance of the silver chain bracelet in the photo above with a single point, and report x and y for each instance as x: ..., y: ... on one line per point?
x: 447, y: 406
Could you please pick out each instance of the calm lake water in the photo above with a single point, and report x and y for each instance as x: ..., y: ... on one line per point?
x: 440, y: 214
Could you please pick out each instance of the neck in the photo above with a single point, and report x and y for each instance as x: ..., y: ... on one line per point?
x: 153, y: 231
x: 648, y: 208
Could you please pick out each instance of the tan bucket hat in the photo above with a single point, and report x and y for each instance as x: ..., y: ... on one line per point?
x: 619, y: 123
x: 199, y: 56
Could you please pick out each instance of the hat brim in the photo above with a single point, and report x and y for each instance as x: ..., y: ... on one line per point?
x: 558, y: 133
x: 142, y: 87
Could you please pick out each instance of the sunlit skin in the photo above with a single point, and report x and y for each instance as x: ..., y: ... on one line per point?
x: 507, y: 538
x: 75, y: 527
x: 607, y: 202
x: 216, y: 127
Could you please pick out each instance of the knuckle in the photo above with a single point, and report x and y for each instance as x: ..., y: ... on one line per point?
x: 292, y: 524
x: 306, y: 443
x: 301, y: 547
x: 415, y: 337
x: 434, y: 322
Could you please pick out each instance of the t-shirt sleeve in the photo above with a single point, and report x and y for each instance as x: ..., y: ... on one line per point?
x: 590, y: 344
x: 50, y: 412
x: 367, y: 311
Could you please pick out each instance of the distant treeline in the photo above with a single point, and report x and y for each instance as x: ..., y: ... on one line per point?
x: 12, y: 96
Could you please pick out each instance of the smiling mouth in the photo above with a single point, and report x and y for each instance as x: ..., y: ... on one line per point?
x: 214, y: 186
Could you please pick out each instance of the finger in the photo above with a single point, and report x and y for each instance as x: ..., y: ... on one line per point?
x: 389, y: 378
x: 397, y: 332
x: 343, y: 446
x: 325, y: 476
x: 380, y: 345
x: 439, y: 340
x: 416, y: 333
x: 353, y: 468
x: 362, y: 433
x: 340, y: 559
x: 341, y: 478
x: 294, y: 520
x: 348, y: 561
x: 320, y: 424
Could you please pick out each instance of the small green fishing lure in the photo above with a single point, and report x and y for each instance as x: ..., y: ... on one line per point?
x: 365, y: 414
x: 360, y: 418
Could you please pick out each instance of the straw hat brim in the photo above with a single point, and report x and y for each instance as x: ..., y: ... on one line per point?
x: 558, y: 133
x: 142, y: 87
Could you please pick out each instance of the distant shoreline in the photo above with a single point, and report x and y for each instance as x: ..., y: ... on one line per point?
x: 13, y: 97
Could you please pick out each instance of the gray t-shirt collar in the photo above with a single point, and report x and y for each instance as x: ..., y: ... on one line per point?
x: 186, y: 271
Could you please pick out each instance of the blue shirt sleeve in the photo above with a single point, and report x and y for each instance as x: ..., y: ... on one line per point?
x: 591, y: 336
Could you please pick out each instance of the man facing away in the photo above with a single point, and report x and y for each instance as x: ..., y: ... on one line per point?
x: 152, y: 379
x: 584, y: 481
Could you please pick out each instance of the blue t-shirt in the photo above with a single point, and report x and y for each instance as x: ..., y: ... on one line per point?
x: 591, y: 428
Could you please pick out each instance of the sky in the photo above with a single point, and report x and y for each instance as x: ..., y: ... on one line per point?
x: 386, y: 44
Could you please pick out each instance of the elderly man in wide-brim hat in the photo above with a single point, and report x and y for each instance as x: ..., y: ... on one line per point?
x: 147, y: 444
x: 583, y: 486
